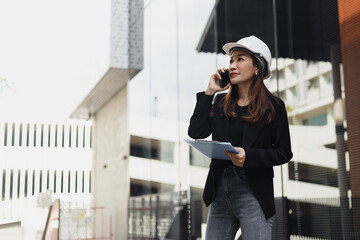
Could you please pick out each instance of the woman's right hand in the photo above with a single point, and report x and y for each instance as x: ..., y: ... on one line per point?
x: 214, y: 85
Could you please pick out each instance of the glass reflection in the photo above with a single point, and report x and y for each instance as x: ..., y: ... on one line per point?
x: 182, y: 40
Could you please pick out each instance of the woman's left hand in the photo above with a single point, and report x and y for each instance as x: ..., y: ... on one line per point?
x: 238, y: 159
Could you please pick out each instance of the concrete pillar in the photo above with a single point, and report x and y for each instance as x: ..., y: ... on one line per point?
x: 110, y: 176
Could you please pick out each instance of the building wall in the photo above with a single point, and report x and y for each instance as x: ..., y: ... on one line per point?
x: 349, y: 18
x: 305, y: 87
x: 126, y: 34
x: 42, y: 161
x: 110, y: 178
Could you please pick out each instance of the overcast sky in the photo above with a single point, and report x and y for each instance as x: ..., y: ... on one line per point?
x: 53, y: 52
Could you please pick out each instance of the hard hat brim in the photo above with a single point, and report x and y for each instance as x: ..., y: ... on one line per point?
x: 228, y: 46
x: 227, y: 49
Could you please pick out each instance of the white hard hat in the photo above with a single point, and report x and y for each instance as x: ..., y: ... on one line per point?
x: 253, y: 45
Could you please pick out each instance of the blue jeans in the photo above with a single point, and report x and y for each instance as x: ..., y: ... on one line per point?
x: 236, y: 207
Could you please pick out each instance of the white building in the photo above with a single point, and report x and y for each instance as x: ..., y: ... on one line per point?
x: 40, y: 162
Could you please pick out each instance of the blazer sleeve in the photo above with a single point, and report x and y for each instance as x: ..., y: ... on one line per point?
x: 280, y: 150
x: 200, y: 122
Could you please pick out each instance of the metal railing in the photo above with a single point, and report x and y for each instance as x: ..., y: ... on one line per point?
x: 82, y: 222
x: 159, y: 216
x: 173, y: 216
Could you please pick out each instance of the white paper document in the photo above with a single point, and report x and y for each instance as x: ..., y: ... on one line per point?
x: 212, y: 149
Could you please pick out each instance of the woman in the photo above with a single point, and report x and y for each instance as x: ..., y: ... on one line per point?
x: 240, y: 192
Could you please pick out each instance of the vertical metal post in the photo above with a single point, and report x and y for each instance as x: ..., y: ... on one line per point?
x: 216, y: 34
x: 133, y: 222
x: 150, y: 217
x: 343, y: 180
x: 157, y: 211
x: 143, y: 230
x: 276, y: 55
x: 178, y: 96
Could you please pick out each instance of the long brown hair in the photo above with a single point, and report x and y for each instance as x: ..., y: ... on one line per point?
x: 259, y: 95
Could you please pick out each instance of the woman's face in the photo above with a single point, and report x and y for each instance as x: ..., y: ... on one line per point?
x: 241, y: 68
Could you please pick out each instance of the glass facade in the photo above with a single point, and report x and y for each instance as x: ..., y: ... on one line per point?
x: 182, y: 48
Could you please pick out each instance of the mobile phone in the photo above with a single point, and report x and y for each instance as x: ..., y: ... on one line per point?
x: 225, y: 79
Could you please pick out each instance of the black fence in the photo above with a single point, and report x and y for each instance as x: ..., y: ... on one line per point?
x: 179, y: 216
x: 322, y: 218
x: 160, y: 216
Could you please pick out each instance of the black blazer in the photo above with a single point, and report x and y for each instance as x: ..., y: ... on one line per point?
x: 265, y: 144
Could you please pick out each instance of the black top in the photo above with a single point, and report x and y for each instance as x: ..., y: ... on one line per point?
x: 236, y: 136
x: 265, y: 144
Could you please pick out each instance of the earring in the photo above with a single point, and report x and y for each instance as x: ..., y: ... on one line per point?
x: 256, y: 74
